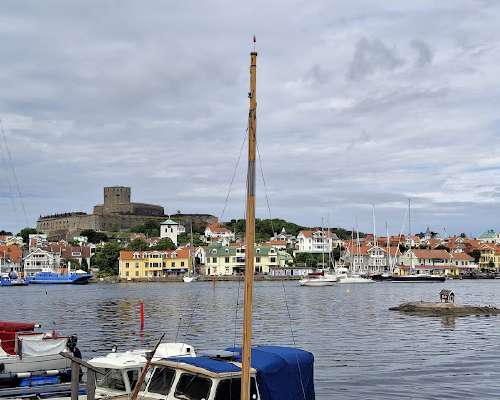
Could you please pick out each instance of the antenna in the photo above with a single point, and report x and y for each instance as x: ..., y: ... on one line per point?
x: 254, y: 42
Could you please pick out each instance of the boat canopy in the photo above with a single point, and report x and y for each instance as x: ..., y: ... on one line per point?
x: 208, y: 364
x: 283, y: 373
x: 8, y: 332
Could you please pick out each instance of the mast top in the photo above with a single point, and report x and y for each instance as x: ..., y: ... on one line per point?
x: 254, y: 52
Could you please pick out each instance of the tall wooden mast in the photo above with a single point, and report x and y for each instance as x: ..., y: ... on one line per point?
x: 250, y: 232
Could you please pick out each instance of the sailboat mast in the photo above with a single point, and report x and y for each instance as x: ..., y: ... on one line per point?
x: 250, y: 232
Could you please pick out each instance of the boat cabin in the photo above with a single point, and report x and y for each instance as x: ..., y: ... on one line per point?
x: 447, y: 296
x: 121, y: 370
x: 278, y: 373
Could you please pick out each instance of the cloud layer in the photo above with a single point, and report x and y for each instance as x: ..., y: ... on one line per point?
x: 359, y: 103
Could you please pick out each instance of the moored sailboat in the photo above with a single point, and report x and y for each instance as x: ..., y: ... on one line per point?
x: 239, y: 373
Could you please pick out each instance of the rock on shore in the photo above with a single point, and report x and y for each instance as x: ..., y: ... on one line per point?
x: 439, y: 309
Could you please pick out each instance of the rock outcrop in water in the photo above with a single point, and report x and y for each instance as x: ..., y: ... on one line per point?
x: 439, y: 309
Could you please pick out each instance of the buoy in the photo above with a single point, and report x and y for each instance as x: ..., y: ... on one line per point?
x: 142, y: 314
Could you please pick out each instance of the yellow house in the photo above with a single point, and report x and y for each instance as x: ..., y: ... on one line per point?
x: 490, y: 257
x: 153, y: 263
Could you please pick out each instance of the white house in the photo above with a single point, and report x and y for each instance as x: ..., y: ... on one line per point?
x: 38, y: 260
x: 171, y: 229
x: 490, y: 236
x: 370, y: 259
x: 36, y: 240
x: 218, y: 233
x: 283, y: 236
x: 318, y: 241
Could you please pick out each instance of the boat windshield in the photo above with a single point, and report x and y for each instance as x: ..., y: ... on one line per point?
x: 162, y: 380
x: 231, y: 389
x: 112, y: 379
x: 193, y: 387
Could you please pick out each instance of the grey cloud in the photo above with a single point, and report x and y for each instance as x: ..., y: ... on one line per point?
x: 370, y: 56
x: 423, y: 52
x: 155, y: 97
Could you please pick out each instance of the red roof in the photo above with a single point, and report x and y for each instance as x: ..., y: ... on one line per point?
x: 462, y: 257
x: 424, y: 253
x: 217, y: 228
x: 12, y: 252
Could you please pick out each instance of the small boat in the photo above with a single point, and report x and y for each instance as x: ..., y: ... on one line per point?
x: 318, y: 279
x: 354, y: 278
x: 418, y: 278
x: 345, y: 277
x: 122, y: 369
x: 30, y: 361
x: 189, y: 279
x: 51, y: 277
x: 12, y: 280
x: 276, y: 373
x: 191, y: 276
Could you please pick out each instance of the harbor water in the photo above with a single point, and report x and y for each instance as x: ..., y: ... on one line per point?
x: 362, y: 350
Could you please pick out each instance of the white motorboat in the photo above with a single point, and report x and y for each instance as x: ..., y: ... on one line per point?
x: 189, y: 279
x: 122, y: 369
x: 318, y: 279
x: 354, y: 279
x: 30, y: 358
x: 344, y: 276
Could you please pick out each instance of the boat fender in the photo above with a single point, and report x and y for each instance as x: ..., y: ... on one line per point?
x: 51, y: 372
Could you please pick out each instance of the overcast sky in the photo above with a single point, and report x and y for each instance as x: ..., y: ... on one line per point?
x: 359, y: 103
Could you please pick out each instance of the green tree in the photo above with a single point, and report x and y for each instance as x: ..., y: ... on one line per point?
x: 476, y: 254
x: 165, y: 244
x: 185, y: 238
x: 149, y: 228
x: 84, y: 265
x: 93, y: 236
x: 137, y: 245
x: 26, y: 232
x: 2, y: 232
x: 106, y: 259
x: 463, y: 235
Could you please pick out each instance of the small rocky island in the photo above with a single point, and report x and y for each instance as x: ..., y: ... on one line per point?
x: 445, y: 307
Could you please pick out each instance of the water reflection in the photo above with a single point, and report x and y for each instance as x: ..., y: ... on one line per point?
x: 362, y: 350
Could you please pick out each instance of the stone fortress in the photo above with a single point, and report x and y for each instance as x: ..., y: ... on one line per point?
x: 117, y: 213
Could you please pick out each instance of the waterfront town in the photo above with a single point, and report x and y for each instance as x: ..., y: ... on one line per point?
x: 136, y: 242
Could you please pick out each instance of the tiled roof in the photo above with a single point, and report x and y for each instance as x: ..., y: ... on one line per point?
x: 424, y: 253
x: 462, y: 257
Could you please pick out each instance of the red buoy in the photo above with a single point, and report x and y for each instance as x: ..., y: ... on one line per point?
x: 142, y: 314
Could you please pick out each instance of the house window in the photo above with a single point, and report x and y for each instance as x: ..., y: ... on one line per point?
x: 257, y: 259
x: 226, y: 259
x: 137, y: 265
x: 136, y: 273
x: 182, y: 263
x: 126, y: 273
x: 214, y: 259
x: 173, y: 264
x: 273, y: 259
x: 126, y: 265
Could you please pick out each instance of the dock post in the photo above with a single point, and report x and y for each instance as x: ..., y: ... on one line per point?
x: 91, y: 384
x: 75, y: 380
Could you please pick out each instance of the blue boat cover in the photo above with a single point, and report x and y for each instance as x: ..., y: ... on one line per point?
x: 210, y: 364
x: 283, y: 373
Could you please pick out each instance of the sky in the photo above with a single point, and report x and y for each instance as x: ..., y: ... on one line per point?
x: 361, y: 104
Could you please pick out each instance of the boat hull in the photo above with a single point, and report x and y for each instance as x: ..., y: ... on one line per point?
x: 80, y: 280
x: 316, y: 282
x: 355, y: 280
x: 416, y: 278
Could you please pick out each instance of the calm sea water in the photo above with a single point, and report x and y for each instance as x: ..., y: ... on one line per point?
x: 362, y: 350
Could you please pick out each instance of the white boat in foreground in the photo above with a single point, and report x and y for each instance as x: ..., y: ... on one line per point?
x: 122, y: 369
x: 189, y: 279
